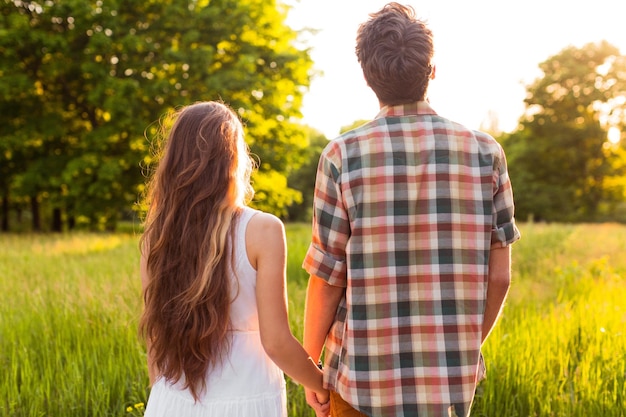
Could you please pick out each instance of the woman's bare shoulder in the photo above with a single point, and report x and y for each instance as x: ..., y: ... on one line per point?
x: 264, y: 232
x: 263, y: 222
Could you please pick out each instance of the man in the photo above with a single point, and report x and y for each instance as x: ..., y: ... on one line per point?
x: 410, y: 256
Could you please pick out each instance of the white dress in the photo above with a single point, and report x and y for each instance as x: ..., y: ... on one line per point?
x: 248, y: 384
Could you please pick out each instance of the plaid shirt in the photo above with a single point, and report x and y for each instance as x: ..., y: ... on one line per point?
x: 406, y: 210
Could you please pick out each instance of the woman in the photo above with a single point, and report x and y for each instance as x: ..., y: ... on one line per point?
x: 213, y: 275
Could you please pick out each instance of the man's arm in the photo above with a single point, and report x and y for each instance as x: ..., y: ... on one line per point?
x: 321, y: 304
x: 498, y: 285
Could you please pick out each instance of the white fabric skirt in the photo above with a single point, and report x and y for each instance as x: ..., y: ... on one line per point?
x: 249, y: 384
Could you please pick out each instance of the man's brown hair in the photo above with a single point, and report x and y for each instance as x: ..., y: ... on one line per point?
x: 395, y: 50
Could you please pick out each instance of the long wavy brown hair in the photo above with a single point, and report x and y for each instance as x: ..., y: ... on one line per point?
x: 201, y: 182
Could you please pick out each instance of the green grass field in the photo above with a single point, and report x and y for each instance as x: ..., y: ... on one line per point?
x: 69, y: 306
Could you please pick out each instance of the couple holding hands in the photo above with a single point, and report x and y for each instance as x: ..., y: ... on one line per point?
x: 409, y: 261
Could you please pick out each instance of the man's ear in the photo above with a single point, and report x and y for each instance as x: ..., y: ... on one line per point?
x: 432, y: 73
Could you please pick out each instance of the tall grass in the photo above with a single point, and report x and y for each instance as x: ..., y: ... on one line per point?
x: 560, y: 348
x: 69, y: 306
x: 299, y: 237
x: 68, y: 310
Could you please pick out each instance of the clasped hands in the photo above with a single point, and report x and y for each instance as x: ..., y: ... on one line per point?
x: 320, y: 402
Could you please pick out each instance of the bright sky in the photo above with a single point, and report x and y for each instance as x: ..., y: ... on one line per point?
x: 486, y: 52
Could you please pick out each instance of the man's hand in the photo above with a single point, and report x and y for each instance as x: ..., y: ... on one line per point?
x: 321, y: 404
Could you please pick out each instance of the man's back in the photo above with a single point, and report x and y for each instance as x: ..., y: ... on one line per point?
x: 406, y: 202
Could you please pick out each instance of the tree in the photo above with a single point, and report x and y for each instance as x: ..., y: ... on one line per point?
x: 353, y: 125
x: 82, y: 81
x: 562, y: 165
x: 303, y: 179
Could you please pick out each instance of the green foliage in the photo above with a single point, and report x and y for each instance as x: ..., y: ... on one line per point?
x: 272, y: 194
x: 353, y: 125
x: 562, y: 166
x: 82, y: 80
x: 303, y: 179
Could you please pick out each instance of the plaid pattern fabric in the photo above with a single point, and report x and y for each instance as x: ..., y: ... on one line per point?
x: 406, y: 210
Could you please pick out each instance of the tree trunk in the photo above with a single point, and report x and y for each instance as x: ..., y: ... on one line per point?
x: 5, y: 210
x: 57, y: 222
x: 34, y: 207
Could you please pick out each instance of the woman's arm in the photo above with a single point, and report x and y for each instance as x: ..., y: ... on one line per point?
x: 266, y: 244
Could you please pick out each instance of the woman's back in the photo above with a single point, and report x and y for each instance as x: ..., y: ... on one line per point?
x: 248, y: 383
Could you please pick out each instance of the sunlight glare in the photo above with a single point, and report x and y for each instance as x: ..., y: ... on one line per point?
x: 614, y: 135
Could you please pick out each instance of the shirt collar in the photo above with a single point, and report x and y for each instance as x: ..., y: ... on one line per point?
x: 415, y: 108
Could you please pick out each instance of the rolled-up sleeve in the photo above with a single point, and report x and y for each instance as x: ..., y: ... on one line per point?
x: 504, y: 231
x: 326, y: 256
